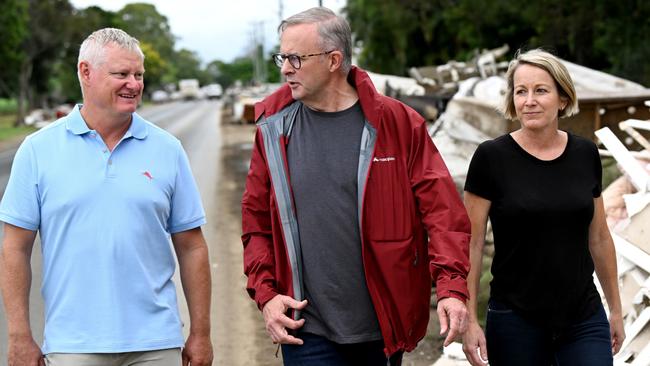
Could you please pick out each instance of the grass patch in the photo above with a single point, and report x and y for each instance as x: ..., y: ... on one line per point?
x: 7, y: 106
x: 9, y: 132
x: 610, y: 171
x: 484, y: 288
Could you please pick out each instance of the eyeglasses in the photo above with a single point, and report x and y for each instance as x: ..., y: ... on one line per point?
x: 294, y: 60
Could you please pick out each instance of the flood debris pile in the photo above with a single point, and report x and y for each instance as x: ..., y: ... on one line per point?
x: 627, y: 205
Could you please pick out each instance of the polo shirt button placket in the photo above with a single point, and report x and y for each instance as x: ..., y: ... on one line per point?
x: 110, y: 168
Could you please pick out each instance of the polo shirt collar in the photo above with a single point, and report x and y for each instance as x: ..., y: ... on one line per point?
x: 76, y: 124
x: 138, y: 127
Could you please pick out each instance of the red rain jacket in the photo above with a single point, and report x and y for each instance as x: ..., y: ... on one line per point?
x: 414, y: 228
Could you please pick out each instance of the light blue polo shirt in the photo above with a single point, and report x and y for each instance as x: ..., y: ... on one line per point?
x: 105, y: 220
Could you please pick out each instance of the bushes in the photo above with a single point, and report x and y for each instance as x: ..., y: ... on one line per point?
x: 7, y: 106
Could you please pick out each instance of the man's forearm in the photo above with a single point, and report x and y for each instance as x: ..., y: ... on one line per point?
x: 197, y: 286
x: 16, y: 274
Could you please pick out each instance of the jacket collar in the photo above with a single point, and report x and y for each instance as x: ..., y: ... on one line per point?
x: 369, y: 97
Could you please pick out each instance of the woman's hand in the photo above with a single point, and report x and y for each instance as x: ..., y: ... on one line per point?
x: 474, y: 345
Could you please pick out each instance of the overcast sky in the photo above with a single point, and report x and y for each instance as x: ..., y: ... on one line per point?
x: 219, y: 29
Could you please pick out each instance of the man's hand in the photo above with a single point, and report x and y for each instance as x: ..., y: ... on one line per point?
x: 277, y: 321
x: 453, y: 318
x: 474, y: 345
x: 197, y: 351
x: 23, y: 351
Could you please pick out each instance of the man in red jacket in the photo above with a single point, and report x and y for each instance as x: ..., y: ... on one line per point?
x: 349, y: 212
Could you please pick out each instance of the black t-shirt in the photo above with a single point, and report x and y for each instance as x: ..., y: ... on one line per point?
x: 540, y: 214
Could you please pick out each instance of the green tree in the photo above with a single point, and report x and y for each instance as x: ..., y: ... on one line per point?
x: 227, y: 73
x: 65, y: 83
x: 397, y: 34
x: 13, y: 27
x: 155, y: 67
x: 188, y: 65
x: 381, y: 28
x: 43, y: 45
x: 145, y: 23
x: 622, y: 38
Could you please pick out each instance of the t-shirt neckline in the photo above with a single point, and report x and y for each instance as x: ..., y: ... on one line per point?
x: 536, y: 159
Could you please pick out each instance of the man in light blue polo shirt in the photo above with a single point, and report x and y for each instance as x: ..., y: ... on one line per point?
x: 106, y: 189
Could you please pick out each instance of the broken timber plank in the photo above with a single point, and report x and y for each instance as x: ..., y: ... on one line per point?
x: 638, y: 176
x: 629, y: 127
x: 631, y: 252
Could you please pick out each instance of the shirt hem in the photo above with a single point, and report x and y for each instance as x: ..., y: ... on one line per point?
x: 118, y: 348
x: 188, y: 226
x: 362, y: 338
x: 18, y: 222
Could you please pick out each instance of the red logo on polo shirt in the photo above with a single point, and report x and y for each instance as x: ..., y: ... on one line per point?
x: 147, y: 174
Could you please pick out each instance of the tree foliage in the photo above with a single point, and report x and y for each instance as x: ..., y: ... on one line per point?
x: 42, y: 46
x: 13, y: 27
x: 144, y: 22
x: 64, y: 86
x: 606, y: 35
x: 188, y: 64
x: 155, y: 66
x: 227, y: 73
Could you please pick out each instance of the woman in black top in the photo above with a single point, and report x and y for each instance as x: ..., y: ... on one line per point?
x: 541, y: 188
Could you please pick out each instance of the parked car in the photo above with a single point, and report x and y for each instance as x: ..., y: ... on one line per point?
x: 212, y: 91
x: 159, y: 96
x: 189, y: 89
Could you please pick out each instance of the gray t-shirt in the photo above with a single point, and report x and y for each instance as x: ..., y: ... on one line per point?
x: 323, y: 155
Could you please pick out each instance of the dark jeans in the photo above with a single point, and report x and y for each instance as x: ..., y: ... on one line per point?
x: 512, y: 340
x: 319, y: 351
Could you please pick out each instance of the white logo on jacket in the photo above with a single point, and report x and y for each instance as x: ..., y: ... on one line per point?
x: 385, y: 159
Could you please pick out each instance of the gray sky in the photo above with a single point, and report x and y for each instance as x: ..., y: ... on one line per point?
x: 218, y: 29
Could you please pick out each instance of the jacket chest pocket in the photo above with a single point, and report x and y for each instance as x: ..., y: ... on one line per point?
x: 388, y: 214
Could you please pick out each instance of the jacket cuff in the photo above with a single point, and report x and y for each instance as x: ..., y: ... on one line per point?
x: 264, y: 296
x: 452, y: 287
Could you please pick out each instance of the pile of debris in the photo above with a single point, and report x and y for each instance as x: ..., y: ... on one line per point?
x: 627, y: 204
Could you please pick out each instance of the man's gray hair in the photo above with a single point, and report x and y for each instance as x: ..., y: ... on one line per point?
x: 333, y: 30
x: 93, y: 48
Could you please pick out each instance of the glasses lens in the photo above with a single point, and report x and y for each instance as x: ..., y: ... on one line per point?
x: 294, y: 60
x: 279, y: 60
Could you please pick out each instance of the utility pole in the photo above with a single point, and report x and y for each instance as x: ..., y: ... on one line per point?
x: 257, y: 52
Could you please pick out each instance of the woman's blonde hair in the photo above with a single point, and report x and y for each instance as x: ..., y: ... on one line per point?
x: 549, y: 63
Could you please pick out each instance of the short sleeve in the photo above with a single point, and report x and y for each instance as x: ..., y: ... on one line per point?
x: 186, y: 208
x: 479, y: 179
x: 20, y: 204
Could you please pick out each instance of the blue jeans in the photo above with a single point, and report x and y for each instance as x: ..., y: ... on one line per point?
x: 319, y: 351
x: 512, y: 340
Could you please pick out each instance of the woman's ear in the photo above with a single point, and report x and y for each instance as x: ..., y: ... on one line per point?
x: 564, y: 102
